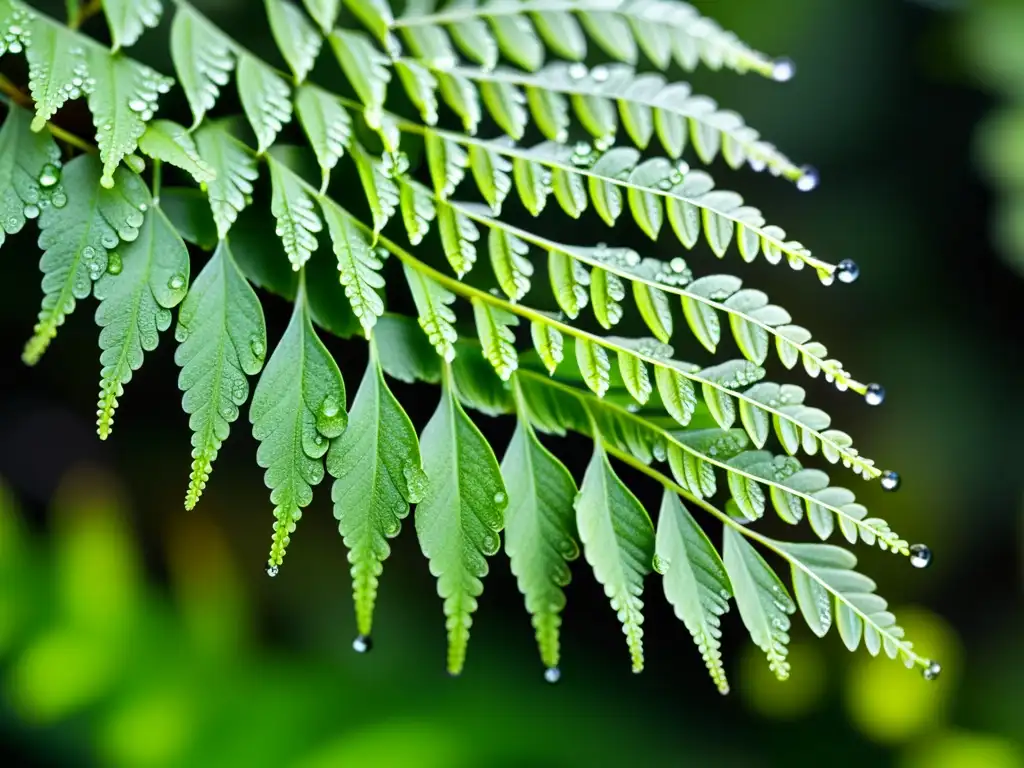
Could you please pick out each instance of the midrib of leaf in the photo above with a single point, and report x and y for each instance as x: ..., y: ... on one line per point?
x: 110, y: 390
x: 609, y: 266
x: 768, y: 543
x: 668, y: 437
x: 460, y: 635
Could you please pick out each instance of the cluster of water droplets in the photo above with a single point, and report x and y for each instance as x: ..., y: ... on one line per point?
x: 18, y: 34
x: 583, y: 154
x: 675, y: 273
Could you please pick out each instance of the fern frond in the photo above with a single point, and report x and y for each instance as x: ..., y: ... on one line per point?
x: 646, y: 104
x: 295, y: 212
x: 664, y: 29
x: 203, y: 58
x: 460, y: 515
x: 656, y: 189
x: 230, y: 191
x: 376, y: 463
x: 296, y: 37
x: 27, y: 159
x: 297, y: 408
x: 222, y: 339
x: 266, y: 100
x: 79, y: 239
x: 618, y: 542
x: 171, y: 143
x: 145, y: 279
x: 359, y: 265
x: 128, y: 19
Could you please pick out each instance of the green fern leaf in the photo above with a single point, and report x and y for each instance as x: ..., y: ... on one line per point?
x: 539, y: 533
x: 459, y: 236
x: 235, y: 171
x: 606, y: 294
x: 327, y: 125
x: 381, y: 192
x: 122, y: 100
x: 505, y: 103
x: 447, y: 162
x: 266, y: 100
x: 618, y: 541
x: 569, y: 281
x: 491, y: 173
x: 823, y: 577
x: 460, y: 516
x: 635, y: 377
x: 222, y: 339
x: 325, y: 12
x: 57, y: 69
x: 375, y: 16
x: 128, y: 19
x: 294, y: 210
x: 359, y: 265
x: 376, y: 463
x: 417, y: 210
x: 78, y: 239
x: 475, y: 41
x: 27, y: 159
x: 762, y: 600
x: 142, y: 284
x: 594, y: 365
x: 296, y: 37
x: 677, y: 394
x: 550, y: 111
x: 695, y: 581
x: 510, y: 262
x: 366, y: 68
x: 298, y: 406
x: 549, y: 344
x: 493, y: 326
x: 171, y: 143
x: 655, y: 309
x: 436, y: 316
x: 203, y: 59
x: 421, y: 86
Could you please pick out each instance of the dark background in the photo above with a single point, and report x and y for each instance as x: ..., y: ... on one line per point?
x: 134, y: 633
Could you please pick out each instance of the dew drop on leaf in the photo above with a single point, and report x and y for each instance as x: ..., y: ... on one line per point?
x: 932, y: 671
x: 500, y: 498
x: 362, y: 644
x: 114, y: 264
x: 31, y: 211
x: 599, y: 73
x: 809, y: 179
x: 272, y: 571
x: 49, y: 176
x: 416, y: 483
x: 848, y: 271
x: 552, y: 675
x: 783, y: 69
x: 578, y: 71
x: 920, y: 556
x: 176, y: 283
x: 890, y: 480
x: 874, y: 394
x: 258, y: 347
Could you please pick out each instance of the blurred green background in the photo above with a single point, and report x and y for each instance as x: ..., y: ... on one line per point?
x: 135, y: 634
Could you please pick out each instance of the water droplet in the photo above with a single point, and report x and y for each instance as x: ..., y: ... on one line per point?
x: 890, y: 480
x: 920, y: 556
x: 932, y: 671
x: 660, y: 564
x: 272, y: 571
x: 329, y: 408
x: 500, y: 497
x: 114, y: 264
x: 578, y: 71
x: 874, y: 394
x: 848, y: 271
x: 362, y: 644
x: 552, y: 675
x: 59, y: 199
x: 31, y: 211
x: 599, y: 73
x: 88, y: 253
x: 137, y: 105
x: 108, y: 240
x: 176, y: 283
x: 258, y: 347
x: 49, y: 176
x: 783, y: 69
x: 809, y: 179
x: 665, y: 185
x: 677, y: 265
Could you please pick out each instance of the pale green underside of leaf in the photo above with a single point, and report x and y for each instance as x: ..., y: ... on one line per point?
x: 222, y: 340
x: 460, y: 516
x: 128, y: 19
x: 23, y: 157
x: 377, y: 465
x: 203, y: 60
x: 171, y: 143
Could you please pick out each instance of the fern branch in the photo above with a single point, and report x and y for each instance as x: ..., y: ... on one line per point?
x: 695, y: 37
x: 638, y: 95
x: 886, y: 632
